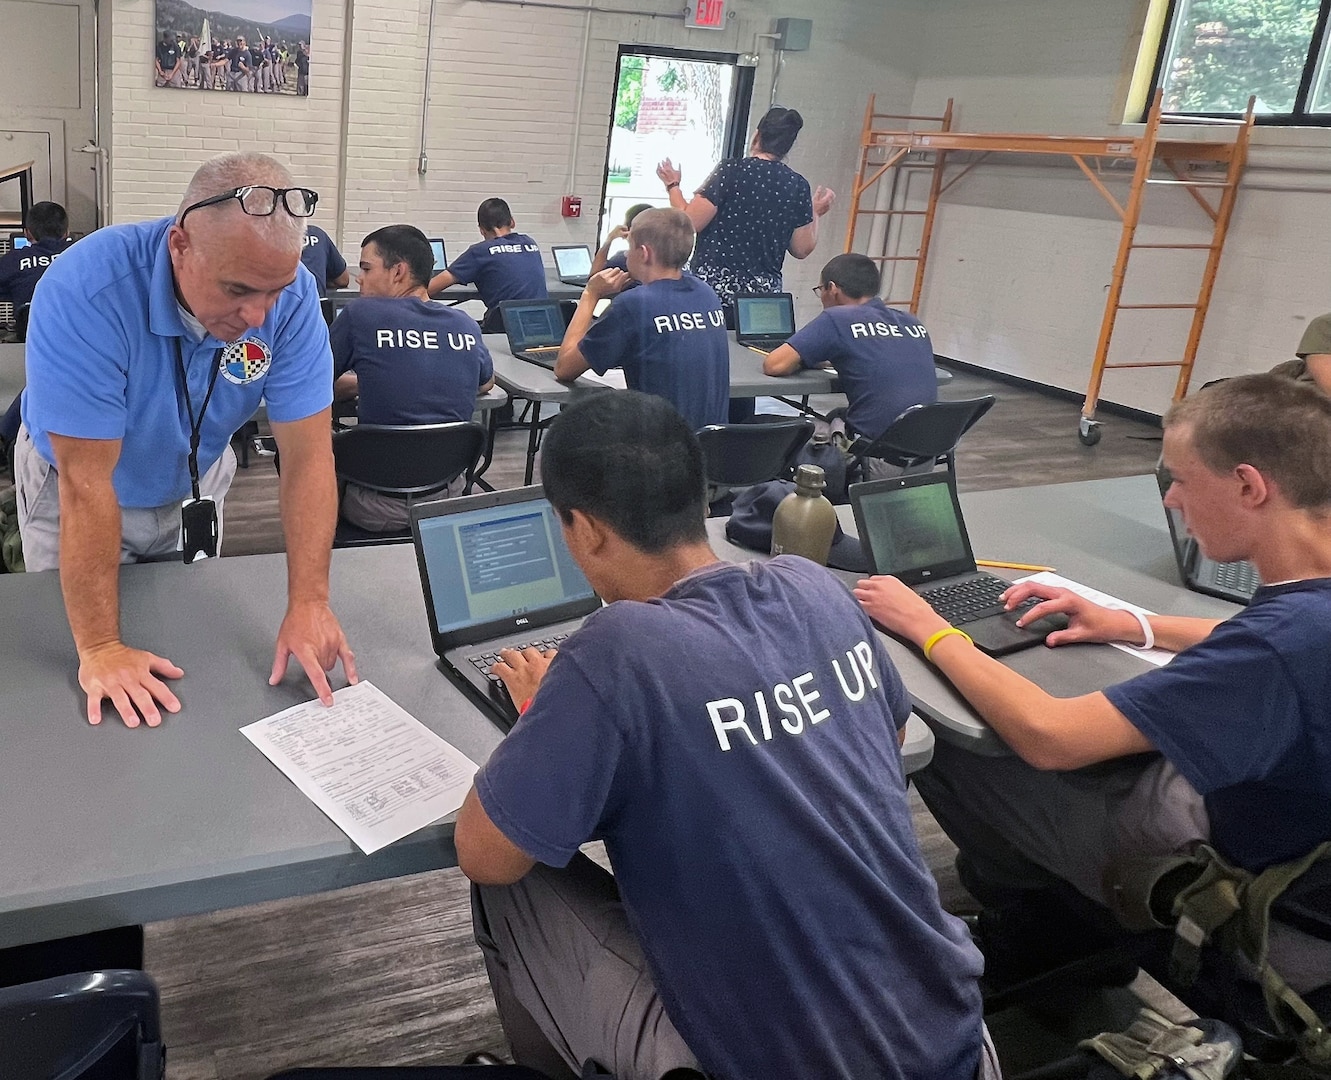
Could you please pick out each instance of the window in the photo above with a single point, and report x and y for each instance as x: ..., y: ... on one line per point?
x: 1214, y: 54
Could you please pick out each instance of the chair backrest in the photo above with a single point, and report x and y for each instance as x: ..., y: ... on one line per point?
x: 416, y: 459
x: 69, y: 1026
x: 927, y: 433
x: 737, y: 455
x: 21, y: 321
x: 492, y: 322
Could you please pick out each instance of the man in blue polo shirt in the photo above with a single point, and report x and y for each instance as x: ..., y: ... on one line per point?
x: 669, y: 335
x: 150, y: 344
x: 883, y: 356
x: 322, y: 259
x: 407, y: 358
x: 506, y: 265
x: 20, y: 269
x: 731, y: 731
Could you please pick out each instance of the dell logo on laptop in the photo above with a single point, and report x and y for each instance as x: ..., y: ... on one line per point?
x: 523, y: 622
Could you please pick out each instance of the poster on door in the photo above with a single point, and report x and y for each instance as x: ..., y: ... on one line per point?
x: 246, y: 47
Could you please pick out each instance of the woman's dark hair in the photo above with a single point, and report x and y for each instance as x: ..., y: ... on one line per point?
x: 777, y: 130
x: 629, y: 460
x: 404, y: 243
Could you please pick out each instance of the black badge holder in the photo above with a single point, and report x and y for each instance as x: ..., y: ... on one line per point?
x: 198, y: 516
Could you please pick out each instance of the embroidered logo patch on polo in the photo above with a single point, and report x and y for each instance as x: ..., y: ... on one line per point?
x: 246, y: 360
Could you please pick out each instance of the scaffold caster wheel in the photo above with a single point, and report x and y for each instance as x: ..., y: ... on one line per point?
x: 1088, y: 432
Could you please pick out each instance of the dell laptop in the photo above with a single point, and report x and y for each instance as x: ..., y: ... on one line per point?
x: 1235, y: 581
x: 911, y: 527
x: 573, y: 263
x: 534, y: 328
x: 497, y: 575
x: 18, y: 240
x: 440, y: 254
x: 763, y: 321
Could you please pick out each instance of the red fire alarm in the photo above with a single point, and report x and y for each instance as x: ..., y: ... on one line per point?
x: 571, y: 206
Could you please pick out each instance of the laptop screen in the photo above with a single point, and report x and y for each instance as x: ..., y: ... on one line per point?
x: 18, y: 240
x: 497, y: 564
x: 440, y: 255
x: 532, y: 323
x: 764, y: 316
x: 912, y: 527
x: 573, y: 261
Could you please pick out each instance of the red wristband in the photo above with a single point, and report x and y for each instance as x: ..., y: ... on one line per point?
x: 524, y: 706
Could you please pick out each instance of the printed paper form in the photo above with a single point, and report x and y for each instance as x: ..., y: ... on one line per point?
x: 1158, y: 657
x: 372, y: 767
x: 614, y: 378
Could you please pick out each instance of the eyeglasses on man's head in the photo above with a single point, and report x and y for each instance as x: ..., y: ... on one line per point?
x: 259, y: 200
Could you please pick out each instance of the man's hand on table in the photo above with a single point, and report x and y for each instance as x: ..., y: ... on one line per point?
x: 129, y: 677
x: 311, y: 633
x: 898, y: 610
x: 522, y: 672
x: 1087, y: 621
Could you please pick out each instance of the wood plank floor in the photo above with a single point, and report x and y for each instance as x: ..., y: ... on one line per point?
x: 387, y: 973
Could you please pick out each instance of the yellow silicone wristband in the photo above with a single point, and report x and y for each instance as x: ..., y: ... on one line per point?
x: 934, y: 639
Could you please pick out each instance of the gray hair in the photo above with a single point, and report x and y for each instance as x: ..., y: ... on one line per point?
x: 227, y: 171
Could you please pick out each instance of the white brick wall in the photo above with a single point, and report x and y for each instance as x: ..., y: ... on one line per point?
x: 1022, y: 255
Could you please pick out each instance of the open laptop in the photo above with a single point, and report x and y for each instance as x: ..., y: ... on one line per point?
x: 496, y: 575
x: 911, y: 527
x: 440, y: 254
x: 18, y: 240
x: 764, y: 321
x: 1235, y: 581
x: 534, y: 328
x: 573, y: 263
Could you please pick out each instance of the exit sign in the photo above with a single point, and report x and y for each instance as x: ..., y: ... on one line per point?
x: 706, y: 15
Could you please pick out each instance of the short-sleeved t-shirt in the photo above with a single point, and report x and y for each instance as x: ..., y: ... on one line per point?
x: 102, y: 362
x: 416, y: 362
x: 1245, y: 716
x: 670, y: 338
x: 734, y: 743
x: 759, y: 203
x: 168, y: 55
x: 508, y: 267
x: 321, y: 258
x: 1316, y: 338
x: 22, y: 268
x: 883, y: 357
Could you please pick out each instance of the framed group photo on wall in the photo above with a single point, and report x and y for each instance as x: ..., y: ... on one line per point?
x: 250, y: 47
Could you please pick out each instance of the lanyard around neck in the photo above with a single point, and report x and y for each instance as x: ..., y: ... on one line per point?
x: 195, y: 426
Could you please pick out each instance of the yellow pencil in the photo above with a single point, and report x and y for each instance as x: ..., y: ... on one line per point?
x: 1012, y: 565
x: 760, y: 352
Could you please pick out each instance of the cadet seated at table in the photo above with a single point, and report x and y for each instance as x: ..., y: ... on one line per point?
x: 45, y: 227
x: 603, y: 259
x: 410, y: 360
x: 669, y: 336
x: 883, y: 356
x: 322, y: 259
x: 506, y: 265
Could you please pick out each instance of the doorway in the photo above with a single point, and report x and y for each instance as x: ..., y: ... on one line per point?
x: 691, y: 107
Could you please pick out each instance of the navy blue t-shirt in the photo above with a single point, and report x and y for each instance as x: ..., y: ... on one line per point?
x: 22, y: 268
x: 734, y: 743
x: 1245, y: 716
x: 321, y: 258
x: 416, y: 362
x: 883, y: 356
x: 505, y: 268
x: 759, y: 203
x: 670, y: 338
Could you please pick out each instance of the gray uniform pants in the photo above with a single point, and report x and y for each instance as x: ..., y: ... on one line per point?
x: 568, y: 974
x: 145, y: 532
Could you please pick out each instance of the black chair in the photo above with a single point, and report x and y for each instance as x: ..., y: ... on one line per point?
x: 99, y: 1025
x: 415, y: 1072
x: 492, y: 322
x: 408, y: 461
x: 924, y: 434
x: 739, y: 455
x: 21, y: 321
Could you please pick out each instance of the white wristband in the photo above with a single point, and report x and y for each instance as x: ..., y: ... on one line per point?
x: 1147, y: 633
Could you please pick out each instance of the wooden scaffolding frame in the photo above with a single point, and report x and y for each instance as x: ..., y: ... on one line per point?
x: 1198, y: 166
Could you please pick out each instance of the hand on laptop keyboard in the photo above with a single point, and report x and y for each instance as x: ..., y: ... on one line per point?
x: 519, y: 669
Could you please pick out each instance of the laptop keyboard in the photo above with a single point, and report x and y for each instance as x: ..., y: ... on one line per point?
x: 1238, y: 576
x: 483, y: 662
x: 970, y: 600
x: 764, y: 344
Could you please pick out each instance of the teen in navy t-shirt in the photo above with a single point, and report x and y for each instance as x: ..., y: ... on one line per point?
x: 415, y: 361
x: 22, y: 268
x: 322, y: 259
x: 506, y: 265
x: 669, y: 335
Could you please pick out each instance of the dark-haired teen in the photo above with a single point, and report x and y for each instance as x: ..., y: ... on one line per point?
x: 45, y: 226
x: 506, y: 265
x: 883, y: 356
x: 765, y: 871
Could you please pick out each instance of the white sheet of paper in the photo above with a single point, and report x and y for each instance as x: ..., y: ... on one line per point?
x: 613, y: 378
x: 372, y: 767
x: 1158, y: 657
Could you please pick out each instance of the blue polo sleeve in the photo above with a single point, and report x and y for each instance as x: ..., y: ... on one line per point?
x: 465, y: 266
x: 300, y: 381
x: 611, y: 338
x: 77, y: 358
x: 547, y: 785
x: 816, y: 342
